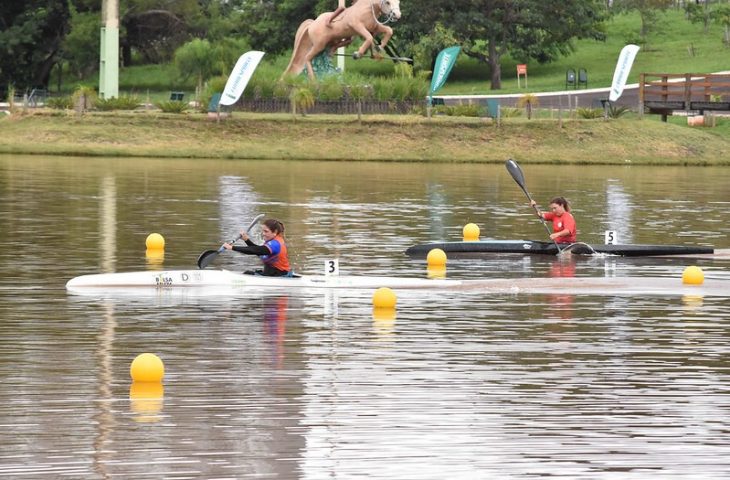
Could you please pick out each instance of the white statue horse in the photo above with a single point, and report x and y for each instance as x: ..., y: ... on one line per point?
x: 361, y: 18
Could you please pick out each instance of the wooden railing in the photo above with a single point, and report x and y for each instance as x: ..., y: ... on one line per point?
x: 665, y: 93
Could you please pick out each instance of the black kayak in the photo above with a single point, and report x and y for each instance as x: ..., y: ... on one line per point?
x: 548, y: 248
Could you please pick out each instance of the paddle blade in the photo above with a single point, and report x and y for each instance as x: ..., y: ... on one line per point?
x: 516, y: 172
x: 206, y: 258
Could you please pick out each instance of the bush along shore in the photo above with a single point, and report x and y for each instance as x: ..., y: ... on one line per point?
x: 393, y: 137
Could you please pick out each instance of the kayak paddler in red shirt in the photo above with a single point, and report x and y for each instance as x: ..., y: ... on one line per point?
x: 564, y: 228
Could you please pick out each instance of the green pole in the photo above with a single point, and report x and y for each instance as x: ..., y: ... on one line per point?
x: 109, y: 50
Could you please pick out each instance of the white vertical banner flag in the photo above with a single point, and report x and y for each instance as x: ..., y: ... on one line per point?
x: 623, y: 67
x: 240, y: 75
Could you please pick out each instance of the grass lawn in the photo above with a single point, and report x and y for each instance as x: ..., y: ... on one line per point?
x: 667, y: 51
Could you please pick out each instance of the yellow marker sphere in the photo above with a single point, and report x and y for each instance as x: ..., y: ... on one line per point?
x: 147, y: 367
x: 384, y: 297
x: 155, y: 241
x: 436, y: 257
x: 471, y: 232
x: 693, y: 276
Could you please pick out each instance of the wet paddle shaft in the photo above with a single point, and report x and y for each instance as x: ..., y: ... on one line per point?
x: 208, y: 256
x: 519, y: 178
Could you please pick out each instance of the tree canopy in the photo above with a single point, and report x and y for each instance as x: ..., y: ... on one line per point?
x: 489, y: 29
x: 36, y: 34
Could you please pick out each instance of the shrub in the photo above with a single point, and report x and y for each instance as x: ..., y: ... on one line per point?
x: 60, y: 103
x: 589, y: 113
x: 123, y: 102
x: 212, y: 86
x: 615, y: 111
x: 330, y: 89
x: 507, y: 112
x: 84, y: 98
x: 172, y: 106
x: 528, y: 102
x: 466, y: 110
x: 383, y: 89
x: 302, y: 98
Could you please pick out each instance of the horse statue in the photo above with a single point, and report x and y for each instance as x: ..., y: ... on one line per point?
x: 361, y: 18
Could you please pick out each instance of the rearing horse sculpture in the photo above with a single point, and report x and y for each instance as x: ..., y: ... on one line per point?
x: 361, y: 18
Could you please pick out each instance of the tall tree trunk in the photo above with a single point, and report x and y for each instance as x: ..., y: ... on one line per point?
x: 495, y: 66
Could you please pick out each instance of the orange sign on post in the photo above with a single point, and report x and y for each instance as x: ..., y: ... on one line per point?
x: 521, y: 70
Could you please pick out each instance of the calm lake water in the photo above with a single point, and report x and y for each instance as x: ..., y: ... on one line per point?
x: 300, y: 386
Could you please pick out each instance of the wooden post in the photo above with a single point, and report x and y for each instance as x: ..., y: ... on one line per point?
x: 642, y: 81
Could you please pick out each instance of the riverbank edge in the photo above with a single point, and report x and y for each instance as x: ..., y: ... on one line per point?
x: 405, y: 138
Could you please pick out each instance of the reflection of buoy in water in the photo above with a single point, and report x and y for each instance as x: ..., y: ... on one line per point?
x: 436, y: 271
x: 692, y: 301
x: 155, y: 258
x: 146, y: 400
x: 693, y: 276
x: 147, y: 367
x: 384, y: 297
x: 155, y: 241
x: 436, y: 257
x: 383, y: 320
x: 470, y: 232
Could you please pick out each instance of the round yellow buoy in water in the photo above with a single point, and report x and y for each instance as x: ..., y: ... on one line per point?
x: 147, y: 367
x: 471, y: 232
x: 384, y: 297
x: 437, y: 272
x: 155, y: 241
x: 436, y: 257
x: 693, y: 276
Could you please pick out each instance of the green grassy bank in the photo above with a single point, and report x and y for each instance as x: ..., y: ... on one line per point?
x: 378, y: 138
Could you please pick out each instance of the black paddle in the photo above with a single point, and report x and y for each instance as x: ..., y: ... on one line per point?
x: 517, y: 175
x: 209, y: 255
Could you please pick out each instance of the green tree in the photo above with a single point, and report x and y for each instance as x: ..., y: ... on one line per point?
x: 31, y: 33
x: 196, y: 58
x: 721, y: 15
x: 489, y: 29
x: 81, y: 45
x: 272, y: 24
x: 648, y: 10
x: 697, y: 13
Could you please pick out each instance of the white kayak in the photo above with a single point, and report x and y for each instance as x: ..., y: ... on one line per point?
x: 227, y: 282
x: 228, y: 279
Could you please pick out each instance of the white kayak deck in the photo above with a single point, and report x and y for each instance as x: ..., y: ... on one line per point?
x: 227, y: 282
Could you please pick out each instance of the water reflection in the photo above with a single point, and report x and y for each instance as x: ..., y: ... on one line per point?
x: 564, y: 266
x: 290, y: 384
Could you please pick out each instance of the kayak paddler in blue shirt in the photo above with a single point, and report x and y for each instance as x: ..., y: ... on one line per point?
x: 273, y: 252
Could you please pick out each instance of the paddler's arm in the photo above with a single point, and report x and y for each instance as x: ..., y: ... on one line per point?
x: 533, y: 204
x: 562, y: 233
x: 249, y: 249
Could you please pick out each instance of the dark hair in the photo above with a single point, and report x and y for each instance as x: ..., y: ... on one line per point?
x: 274, y: 225
x: 562, y: 202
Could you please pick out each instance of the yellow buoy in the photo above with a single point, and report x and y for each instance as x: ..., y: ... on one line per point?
x: 693, y: 276
x: 471, y: 232
x: 436, y: 257
x: 147, y: 367
x: 155, y: 241
x: 384, y: 297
